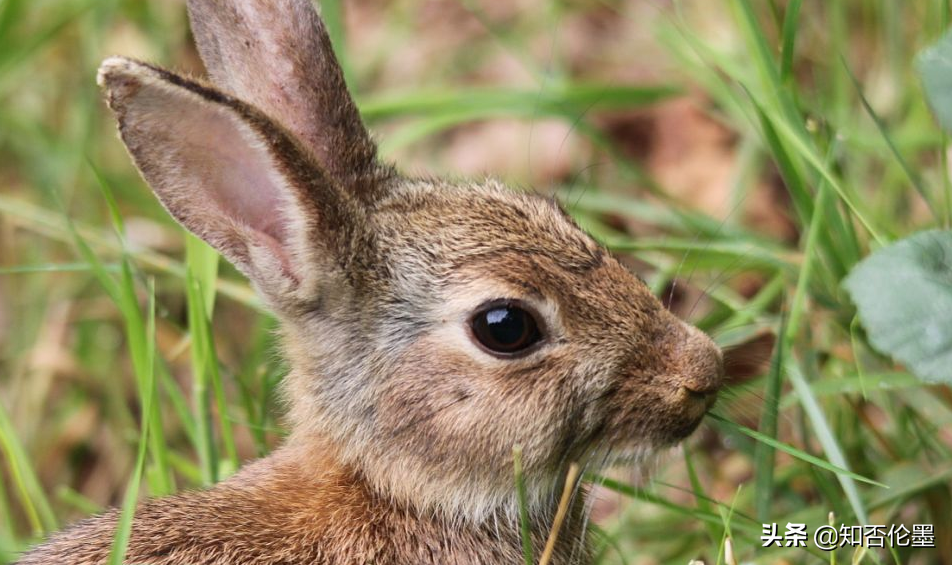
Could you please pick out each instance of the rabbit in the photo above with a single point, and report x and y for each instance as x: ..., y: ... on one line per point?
x: 430, y: 325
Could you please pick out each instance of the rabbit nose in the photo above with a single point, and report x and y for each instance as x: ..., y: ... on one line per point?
x: 706, y: 397
x: 701, y: 364
x: 700, y: 393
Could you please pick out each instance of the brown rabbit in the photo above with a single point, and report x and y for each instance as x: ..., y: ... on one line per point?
x: 430, y: 325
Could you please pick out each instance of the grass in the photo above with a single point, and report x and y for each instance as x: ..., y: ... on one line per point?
x: 121, y: 374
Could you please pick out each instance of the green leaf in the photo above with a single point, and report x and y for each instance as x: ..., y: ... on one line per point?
x: 904, y: 297
x: 935, y: 66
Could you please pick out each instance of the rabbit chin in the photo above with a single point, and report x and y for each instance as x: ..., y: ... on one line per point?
x: 639, y: 452
x: 679, y: 432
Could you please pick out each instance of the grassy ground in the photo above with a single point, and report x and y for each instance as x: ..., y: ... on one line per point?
x: 745, y: 153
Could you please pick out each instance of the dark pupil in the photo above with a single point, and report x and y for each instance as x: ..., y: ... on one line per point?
x: 505, y: 329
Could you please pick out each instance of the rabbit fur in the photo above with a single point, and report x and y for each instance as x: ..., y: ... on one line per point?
x: 402, y: 428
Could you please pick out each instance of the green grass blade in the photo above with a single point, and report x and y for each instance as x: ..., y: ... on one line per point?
x: 102, y: 275
x: 27, y: 485
x: 909, y: 481
x: 756, y: 306
x: 586, y: 198
x: 793, y: 178
x: 524, y: 528
x: 797, y: 311
x: 130, y: 500
x: 160, y: 477
x: 755, y: 255
x: 118, y: 225
x: 77, y: 500
x: 824, y: 434
x: 608, y: 540
x: 197, y: 272
x: 748, y: 527
x: 6, y: 519
x: 202, y: 263
x: 122, y: 291
x: 837, y: 22
x: 790, y: 20
x: 726, y: 537
x: 914, y: 179
x: 790, y: 450
x: 51, y: 225
x: 441, y: 110
x: 810, y: 247
x: 861, y: 383
x: 764, y: 453
x: 810, y: 155
x: 10, y: 11
x: 756, y: 40
x: 703, y: 504
x: 222, y: 409
x: 483, y: 103
x: 56, y: 268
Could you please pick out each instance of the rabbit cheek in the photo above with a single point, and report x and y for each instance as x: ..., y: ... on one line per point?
x: 450, y: 405
x: 447, y: 413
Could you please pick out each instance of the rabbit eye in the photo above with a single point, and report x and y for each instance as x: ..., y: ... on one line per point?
x: 505, y: 329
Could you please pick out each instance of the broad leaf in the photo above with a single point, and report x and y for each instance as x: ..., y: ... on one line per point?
x: 904, y: 296
x: 935, y: 66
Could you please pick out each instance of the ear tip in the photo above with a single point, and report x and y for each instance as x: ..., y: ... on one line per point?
x: 122, y: 74
x: 110, y: 69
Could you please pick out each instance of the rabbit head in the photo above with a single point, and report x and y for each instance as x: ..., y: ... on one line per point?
x: 430, y: 325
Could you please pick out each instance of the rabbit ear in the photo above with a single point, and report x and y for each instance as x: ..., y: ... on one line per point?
x: 276, y: 55
x: 231, y: 176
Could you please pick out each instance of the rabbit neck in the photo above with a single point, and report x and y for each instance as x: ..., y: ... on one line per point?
x: 300, y: 506
x: 342, y: 491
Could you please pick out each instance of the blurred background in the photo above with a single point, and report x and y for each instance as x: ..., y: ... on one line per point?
x: 699, y: 139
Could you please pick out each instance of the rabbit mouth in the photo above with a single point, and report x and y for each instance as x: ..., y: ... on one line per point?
x: 681, y: 432
x: 693, y: 417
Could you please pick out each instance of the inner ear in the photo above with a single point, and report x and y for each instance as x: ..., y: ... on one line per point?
x: 241, y: 181
x: 231, y: 176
